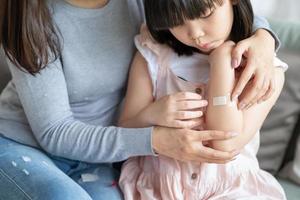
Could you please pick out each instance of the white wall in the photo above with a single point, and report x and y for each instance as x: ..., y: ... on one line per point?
x: 288, y: 10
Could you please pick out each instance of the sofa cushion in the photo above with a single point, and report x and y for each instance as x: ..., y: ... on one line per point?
x: 280, y: 123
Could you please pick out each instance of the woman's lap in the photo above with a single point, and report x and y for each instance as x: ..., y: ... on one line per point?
x: 28, y: 173
x: 100, y: 181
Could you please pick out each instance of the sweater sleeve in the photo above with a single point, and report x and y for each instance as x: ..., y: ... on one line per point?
x: 262, y: 23
x: 44, y: 98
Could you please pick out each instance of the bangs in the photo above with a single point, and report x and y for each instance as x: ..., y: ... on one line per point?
x: 165, y: 14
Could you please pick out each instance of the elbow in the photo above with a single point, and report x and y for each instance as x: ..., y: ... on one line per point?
x: 230, y: 144
x: 225, y: 145
x: 46, y: 141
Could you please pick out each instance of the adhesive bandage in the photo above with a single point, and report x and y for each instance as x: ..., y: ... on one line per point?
x: 223, y: 101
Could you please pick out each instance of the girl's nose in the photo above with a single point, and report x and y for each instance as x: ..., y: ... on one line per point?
x: 195, y: 31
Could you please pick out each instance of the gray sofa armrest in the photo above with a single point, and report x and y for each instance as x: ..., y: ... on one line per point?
x: 282, y: 127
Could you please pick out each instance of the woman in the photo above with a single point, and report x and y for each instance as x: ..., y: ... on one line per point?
x: 69, y: 62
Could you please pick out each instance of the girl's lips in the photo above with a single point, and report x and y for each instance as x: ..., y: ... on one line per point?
x: 206, y: 45
x: 210, y: 46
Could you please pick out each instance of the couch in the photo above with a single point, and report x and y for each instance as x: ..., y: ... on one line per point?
x: 279, y: 153
x: 281, y: 129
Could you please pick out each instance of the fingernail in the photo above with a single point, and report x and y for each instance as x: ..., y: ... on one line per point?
x: 234, y: 63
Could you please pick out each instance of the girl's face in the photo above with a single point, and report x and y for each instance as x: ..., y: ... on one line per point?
x: 209, y: 31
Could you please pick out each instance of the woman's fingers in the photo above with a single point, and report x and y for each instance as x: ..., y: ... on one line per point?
x: 208, y: 153
x: 200, y: 153
x: 215, y: 155
x: 237, y: 53
x: 270, y: 91
x: 264, y: 89
x: 254, y: 90
x: 190, y: 105
x: 187, y: 145
x: 213, y: 135
x: 242, y: 82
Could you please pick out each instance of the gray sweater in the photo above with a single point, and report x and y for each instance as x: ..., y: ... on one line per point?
x: 70, y: 108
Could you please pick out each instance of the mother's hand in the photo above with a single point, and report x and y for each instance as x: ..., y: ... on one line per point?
x: 187, y: 145
x: 259, y: 53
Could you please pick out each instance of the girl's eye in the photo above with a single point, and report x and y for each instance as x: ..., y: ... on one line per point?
x: 208, y: 14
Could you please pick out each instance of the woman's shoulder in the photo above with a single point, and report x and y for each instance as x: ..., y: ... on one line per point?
x: 136, y: 8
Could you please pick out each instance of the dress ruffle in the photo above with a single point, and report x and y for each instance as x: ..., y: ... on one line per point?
x: 153, y: 178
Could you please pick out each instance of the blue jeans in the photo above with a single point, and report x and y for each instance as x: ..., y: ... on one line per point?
x: 30, y: 173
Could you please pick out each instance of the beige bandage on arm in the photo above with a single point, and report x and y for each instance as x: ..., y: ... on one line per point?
x: 223, y: 101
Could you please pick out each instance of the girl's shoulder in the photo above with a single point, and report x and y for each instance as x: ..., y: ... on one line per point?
x: 146, y: 41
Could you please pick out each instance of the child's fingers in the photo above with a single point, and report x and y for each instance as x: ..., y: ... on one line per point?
x: 184, y: 115
x: 188, y: 123
x: 187, y: 96
x: 190, y: 105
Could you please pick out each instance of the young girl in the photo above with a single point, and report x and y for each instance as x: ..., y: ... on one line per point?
x: 187, y: 47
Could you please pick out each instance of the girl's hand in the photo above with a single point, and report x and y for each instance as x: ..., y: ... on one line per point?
x: 179, y: 110
x: 259, y: 53
x: 187, y: 145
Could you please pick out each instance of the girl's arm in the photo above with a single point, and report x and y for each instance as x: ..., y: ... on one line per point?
x: 140, y: 110
x: 228, y: 117
x: 178, y: 143
x: 138, y: 96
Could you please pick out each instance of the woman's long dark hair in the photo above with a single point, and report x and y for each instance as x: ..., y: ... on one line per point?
x: 164, y: 14
x: 27, y: 34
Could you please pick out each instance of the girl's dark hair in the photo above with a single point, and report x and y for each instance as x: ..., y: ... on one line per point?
x: 164, y: 14
x: 27, y: 34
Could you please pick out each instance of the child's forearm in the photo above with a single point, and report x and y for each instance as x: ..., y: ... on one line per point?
x: 224, y: 115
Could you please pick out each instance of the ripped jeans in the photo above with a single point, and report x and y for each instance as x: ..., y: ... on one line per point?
x: 29, y: 173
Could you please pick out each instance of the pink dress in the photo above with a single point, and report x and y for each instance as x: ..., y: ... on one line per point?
x: 163, y: 178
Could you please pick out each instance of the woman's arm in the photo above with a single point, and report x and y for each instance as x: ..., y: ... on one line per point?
x: 227, y: 116
x: 44, y: 99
